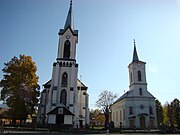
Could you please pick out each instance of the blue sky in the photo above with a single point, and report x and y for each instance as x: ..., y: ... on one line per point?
x: 106, y: 32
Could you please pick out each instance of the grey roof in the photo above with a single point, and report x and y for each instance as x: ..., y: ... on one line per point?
x: 135, y: 55
x: 48, y: 84
x: 69, y: 19
x: 123, y: 96
x: 127, y: 94
x: 55, y: 110
x: 79, y: 84
x: 61, y: 31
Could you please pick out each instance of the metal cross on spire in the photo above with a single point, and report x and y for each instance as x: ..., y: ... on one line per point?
x: 134, y: 42
x: 70, y: 2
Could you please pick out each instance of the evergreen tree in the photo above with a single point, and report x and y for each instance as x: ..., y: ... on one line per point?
x: 175, y: 104
x: 20, y: 89
x: 170, y: 116
x: 159, y: 112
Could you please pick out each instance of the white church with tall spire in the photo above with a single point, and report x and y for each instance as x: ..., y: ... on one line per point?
x: 64, y: 100
x: 136, y: 108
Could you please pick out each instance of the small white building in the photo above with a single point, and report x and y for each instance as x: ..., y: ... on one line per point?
x: 136, y: 108
x: 64, y: 100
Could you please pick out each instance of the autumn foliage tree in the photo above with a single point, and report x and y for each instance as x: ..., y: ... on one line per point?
x: 20, y: 89
x: 97, y: 117
x: 171, y: 113
x: 106, y: 98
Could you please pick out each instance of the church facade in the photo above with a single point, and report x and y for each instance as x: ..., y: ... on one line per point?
x: 136, y: 108
x: 64, y: 100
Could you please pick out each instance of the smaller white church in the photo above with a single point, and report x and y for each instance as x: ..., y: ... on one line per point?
x: 64, y: 100
x: 136, y: 108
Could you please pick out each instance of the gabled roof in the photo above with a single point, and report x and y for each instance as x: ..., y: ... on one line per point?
x: 123, y: 96
x: 48, y: 84
x: 129, y: 94
x: 66, y: 111
x: 81, y: 85
x: 74, y: 32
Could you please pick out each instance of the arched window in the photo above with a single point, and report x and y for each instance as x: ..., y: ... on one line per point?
x: 150, y: 110
x: 139, y: 76
x: 131, y: 110
x: 140, y: 91
x: 66, y: 49
x: 64, y: 79
x: 131, y: 79
x: 63, y: 97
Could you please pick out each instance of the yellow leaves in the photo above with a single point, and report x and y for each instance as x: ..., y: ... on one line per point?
x: 20, y: 82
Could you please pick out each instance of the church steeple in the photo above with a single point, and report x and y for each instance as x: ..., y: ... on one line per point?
x: 68, y: 38
x: 135, y: 56
x: 69, y: 19
x: 137, y: 73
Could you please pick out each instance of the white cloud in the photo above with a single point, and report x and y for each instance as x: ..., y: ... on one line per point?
x: 153, y: 69
x: 178, y: 2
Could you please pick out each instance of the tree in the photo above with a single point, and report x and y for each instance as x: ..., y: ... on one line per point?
x: 159, y: 112
x: 97, y: 117
x: 172, y: 114
x: 106, y: 98
x: 175, y: 105
x: 20, y: 89
x: 165, y: 114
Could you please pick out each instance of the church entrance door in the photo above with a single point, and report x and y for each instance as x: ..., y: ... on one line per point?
x: 142, y: 122
x: 81, y: 123
x: 151, y: 123
x: 131, y: 123
x: 60, y: 119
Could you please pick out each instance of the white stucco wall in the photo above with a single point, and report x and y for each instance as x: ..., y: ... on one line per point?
x: 72, y: 101
x: 119, y: 108
x: 140, y: 102
x: 72, y: 39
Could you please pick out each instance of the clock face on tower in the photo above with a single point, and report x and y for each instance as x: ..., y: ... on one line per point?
x: 68, y: 36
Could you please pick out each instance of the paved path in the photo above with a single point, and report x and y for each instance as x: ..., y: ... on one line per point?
x: 46, y: 132
x: 60, y: 133
x: 35, y: 133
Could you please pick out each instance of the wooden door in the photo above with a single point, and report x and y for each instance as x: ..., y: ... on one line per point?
x: 142, y: 122
x: 131, y: 123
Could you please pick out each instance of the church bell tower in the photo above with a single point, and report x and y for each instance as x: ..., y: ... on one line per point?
x: 137, y: 73
x: 63, y: 89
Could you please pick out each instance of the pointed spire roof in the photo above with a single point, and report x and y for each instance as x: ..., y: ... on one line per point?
x: 69, y: 19
x: 135, y: 55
